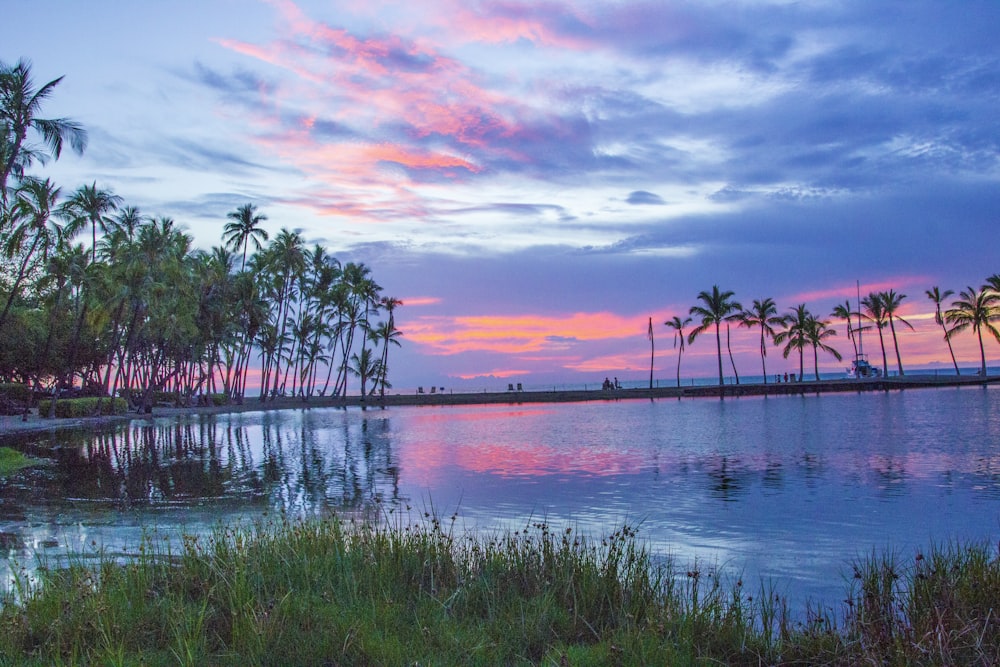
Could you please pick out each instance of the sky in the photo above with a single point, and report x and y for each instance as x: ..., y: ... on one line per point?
x: 536, y: 181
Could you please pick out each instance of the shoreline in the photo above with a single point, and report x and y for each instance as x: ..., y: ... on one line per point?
x: 14, y: 424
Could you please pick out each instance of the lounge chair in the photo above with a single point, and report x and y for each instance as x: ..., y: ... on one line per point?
x: 510, y: 387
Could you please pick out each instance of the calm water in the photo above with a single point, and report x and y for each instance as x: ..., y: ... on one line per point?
x: 788, y: 489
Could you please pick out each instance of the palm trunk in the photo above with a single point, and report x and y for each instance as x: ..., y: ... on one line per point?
x: 718, y: 349
x: 947, y: 339
x: 895, y: 344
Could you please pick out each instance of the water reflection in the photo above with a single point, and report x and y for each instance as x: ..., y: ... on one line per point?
x: 784, y: 487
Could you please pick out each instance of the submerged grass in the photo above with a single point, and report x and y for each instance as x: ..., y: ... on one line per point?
x: 342, y: 592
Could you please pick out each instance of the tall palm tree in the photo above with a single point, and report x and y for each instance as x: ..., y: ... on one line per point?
x: 717, y: 309
x: 873, y: 310
x: 890, y: 304
x: 795, y: 336
x: 245, y: 227
x: 764, y: 314
x: 88, y: 204
x: 20, y: 105
x: 937, y: 296
x: 816, y: 333
x: 33, y: 233
x: 677, y: 324
x: 387, y: 333
x: 978, y: 310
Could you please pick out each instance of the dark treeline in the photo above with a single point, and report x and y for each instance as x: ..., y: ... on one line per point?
x: 135, y: 310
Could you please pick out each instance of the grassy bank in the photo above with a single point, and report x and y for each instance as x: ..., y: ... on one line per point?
x: 346, y: 593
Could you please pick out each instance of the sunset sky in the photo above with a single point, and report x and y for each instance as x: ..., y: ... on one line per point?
x: 536, y: 179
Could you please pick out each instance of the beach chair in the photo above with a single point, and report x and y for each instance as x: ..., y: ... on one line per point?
x: 510, y: 387
x: 433, y: 390
x: 420, y: 390
x: 519, y: 388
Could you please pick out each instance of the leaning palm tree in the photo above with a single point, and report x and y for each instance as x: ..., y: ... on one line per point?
x: 890, y: 304
x: 874, y: 312
x: 90, y: 205
x: 677, y: 324
x: 843, y: 311
x: 20, y: 104
x: 978, y: 310
x: 245, y: 227
x: 717, y: 309
x: 816, y: 333
x: 937, y: 296
x: 763, y: 314
x: 795, y: 336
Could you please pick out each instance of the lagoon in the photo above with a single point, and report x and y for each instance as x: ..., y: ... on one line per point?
x: 781, y: 489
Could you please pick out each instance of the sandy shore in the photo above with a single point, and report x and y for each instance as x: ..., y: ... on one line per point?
x: 16, y: 424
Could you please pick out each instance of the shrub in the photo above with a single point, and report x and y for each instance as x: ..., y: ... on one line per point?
x: 87, y: 407
x: 13, y: 391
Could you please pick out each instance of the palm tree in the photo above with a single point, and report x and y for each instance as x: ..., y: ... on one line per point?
x: 890, y: 304
x: 387, y: 333
x: 717, y: 309
x: 364, y: 365
x: 89, y: 204
x: 129, y: 220
x: 33, y: 232
x: 677, y: 324
x: 937, y: 296
x: 20, y: 104
x: 844, y: 312
x: 245, y: 227
x: 796, y: 334
x: 975, y: 309
x: 764, y: 314
x: 874, y: 312
x: 816, y: 332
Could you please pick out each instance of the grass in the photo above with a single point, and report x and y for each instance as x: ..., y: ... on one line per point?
x: 12, y: 460
x: 341, y: 592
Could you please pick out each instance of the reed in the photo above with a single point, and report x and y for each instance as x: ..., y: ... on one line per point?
x: 357, y: 592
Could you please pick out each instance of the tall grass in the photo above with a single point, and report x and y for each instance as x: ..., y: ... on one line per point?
x: 343, y: 592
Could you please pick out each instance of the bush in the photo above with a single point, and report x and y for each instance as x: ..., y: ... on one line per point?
x: 86, y: 407
x: 13, y: 391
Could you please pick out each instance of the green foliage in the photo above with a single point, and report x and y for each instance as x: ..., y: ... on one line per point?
x: 86, y: 407
x: 338, y: 592
x: 12, y: 460
x: 14, y: 391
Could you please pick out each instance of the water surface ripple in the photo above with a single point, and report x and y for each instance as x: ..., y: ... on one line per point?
x: 788, y: 489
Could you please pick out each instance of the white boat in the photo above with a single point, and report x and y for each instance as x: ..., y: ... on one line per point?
x: 860, y: 368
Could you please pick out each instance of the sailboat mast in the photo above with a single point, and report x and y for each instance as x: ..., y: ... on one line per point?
x: 861, y: 347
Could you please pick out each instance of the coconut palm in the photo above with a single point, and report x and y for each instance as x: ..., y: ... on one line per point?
x: 717, y: 309
x: 937, y: 296
x: 677, y: 324
x: 20, y: 104
x: 387, y: 333
x: 245, y: 227
x: 890, y: 304
x: 873, y: 310
x: 33, y: 233
x: 763, y: 314
x: 795, y: 336
x: 364, y: 365
x: 90, y: 205
x: 129, y: 219
x: 978, y: 310
x: 843, y: 311
x: 816, y: 333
